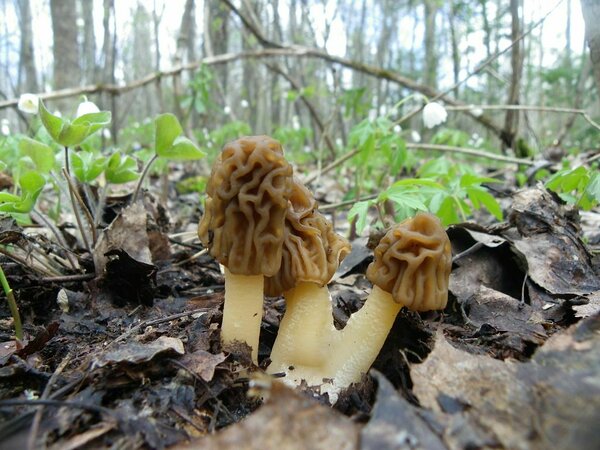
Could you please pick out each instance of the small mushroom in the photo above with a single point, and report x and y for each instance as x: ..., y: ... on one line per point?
x: 311, y: 254
x: 411, y: 268
x: 243, y: 228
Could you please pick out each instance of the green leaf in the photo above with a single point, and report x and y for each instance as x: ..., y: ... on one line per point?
x: 87, y: 166
x: 479, y: 196
x: 183, y: 150
x: 167, y: 130
x: 360, y: 210
x: 53, y: 124
x: 71, y: 134
x: 31, y: 184
x: 469, y: 179
x: 41, y: 154
x: 121, y: 169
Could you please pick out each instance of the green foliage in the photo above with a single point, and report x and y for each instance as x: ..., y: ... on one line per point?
x: 199, y: 91
x: 579, y: 186
x: 41, y: 155
x: 31, y: 185
x: 354, y: 103
x: 121, y: 169
x: 72, y: 133
x: 228, y: 132
x: 292, y: 139
x: 87, y: 166
x: 452, y: 191
x: 169, y: 142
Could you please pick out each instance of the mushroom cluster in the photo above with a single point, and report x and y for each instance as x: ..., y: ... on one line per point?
x: 264, y: 227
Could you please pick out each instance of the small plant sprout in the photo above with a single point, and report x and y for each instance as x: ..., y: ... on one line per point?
x: 243, y: 228
x: 169, y: 143
x: 12, y: 304
x: 28, y: 103
x: 434, y: 114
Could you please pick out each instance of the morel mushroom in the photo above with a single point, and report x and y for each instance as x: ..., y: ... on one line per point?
x: 312, y: 252
x: 243, y: 228
x: 411, y: 268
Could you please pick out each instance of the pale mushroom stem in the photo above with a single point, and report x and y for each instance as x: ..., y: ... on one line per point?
x: 243, y: 310
x: 305, y: 329
x: 358, y: 344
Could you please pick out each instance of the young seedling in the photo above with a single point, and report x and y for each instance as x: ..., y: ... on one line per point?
x: 12, y: 304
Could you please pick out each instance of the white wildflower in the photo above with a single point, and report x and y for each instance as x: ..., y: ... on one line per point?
x: 434, y: 114
x: 29, y: 103
x: 57, y: 113
x: 415, y: 136
x: 296, y: 123
x: 397, y: 128
x: 244, y: 103
x: 476, y: 110
x: 227, y: 110
x: 5, y: 128
x: 106, y: 133
x: 86, y: 107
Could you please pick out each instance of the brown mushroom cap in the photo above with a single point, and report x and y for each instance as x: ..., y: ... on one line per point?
x: 413, y: 262
x: 247, y: 197
x: 312, y: 250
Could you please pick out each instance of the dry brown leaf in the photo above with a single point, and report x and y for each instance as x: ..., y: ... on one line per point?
x: 287, y: 421
x: 202, y: 363
x: 136, y: 352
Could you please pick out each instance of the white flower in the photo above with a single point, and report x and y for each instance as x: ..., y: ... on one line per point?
x: 86, y: 107
x: 227, y: 110
x: 57, y: 113
x: 434, y: 114
x: 476, y: 111
x: 296, y: 123
x: 29, y: 103
x: 106, y: 133
x: 244, y: 103
x: 5, y: 128
x: 415, y: 136
x: 397, y: 128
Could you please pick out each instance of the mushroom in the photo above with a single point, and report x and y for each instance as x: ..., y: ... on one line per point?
x: 411, y: 268
x: 243, y: 228
x: 311, y: 254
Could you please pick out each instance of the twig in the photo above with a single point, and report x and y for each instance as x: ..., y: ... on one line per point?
x: 75, y: 196
x: 35, y: 425
x: 471, y: 152
x: 45, y: 271
x: 69, y: 278
x: 58, y: 404
x: 40, y: 217
x: 142, y: 177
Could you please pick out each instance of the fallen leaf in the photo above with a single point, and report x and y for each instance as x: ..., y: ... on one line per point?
x: 202, y: 363
x: 287, y: 421
x: 137, y: 353
x: 590, y: 308
x: 551, y: 402
x: 396, y: 424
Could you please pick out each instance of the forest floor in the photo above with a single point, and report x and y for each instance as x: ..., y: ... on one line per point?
x: 133, y: 359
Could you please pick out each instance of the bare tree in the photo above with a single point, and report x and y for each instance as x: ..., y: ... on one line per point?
x: 88, y: 48
x: 27, y: 80
x: 65, y: 49
x: 591, y: 16
x: 511, y: 123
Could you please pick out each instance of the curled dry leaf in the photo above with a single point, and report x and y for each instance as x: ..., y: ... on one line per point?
x: 202, y: 363
x: 137, y: 353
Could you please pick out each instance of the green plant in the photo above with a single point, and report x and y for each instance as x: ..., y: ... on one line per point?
x: 12, y: 304
x: 451, y: 191
x: 579, y: 186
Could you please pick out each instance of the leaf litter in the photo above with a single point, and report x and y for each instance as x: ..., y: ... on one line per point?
x: 513, y: 362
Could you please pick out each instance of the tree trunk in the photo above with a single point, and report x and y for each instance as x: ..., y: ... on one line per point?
x: 511, y: 123
x: 65, y: 49
x: 454, y: 43
x: 591, y: 17
x: 89, y: 41
x: 27, y: 72
x: 431, y: 59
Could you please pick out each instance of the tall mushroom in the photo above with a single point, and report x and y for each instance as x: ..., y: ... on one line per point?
x: 243, y: 228
x: 411, y: 268
x: 311, y: 254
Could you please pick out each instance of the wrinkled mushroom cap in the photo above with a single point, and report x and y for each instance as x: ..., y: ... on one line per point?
x: 413, y: 262
x: 312, y: 250
x: 246, y: 202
